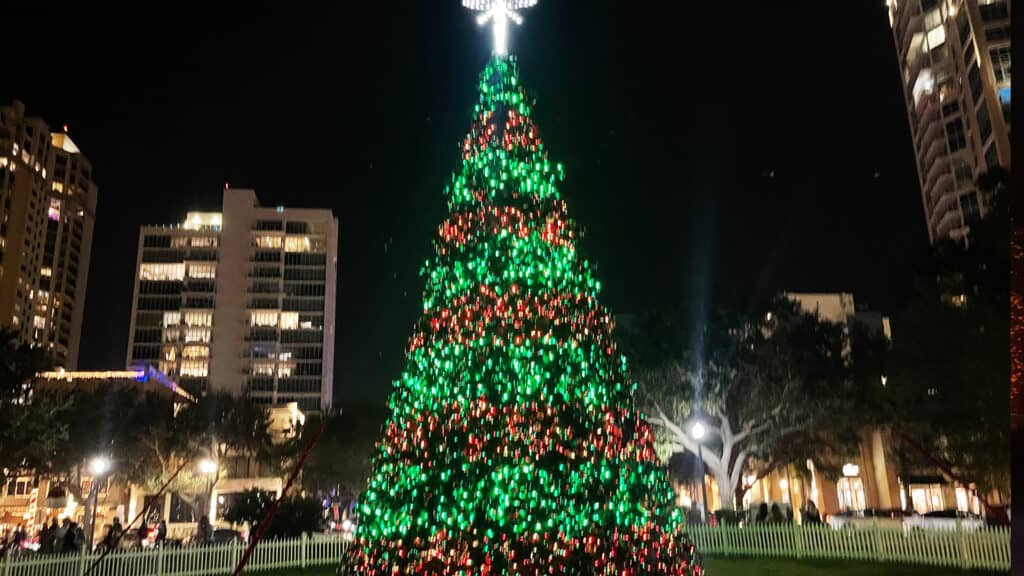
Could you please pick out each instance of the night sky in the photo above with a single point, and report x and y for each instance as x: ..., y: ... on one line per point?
x: 717, y: 154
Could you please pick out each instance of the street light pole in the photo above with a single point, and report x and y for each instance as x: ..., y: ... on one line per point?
x: 703, y: 485
x: 698, y: 431
x: 98, y: 466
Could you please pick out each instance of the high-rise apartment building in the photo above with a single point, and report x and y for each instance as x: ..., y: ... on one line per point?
x: 241, y: 301
x: 47, y: 210
x: 954, y: 58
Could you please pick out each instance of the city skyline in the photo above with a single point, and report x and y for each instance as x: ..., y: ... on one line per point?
x: 696, y: 192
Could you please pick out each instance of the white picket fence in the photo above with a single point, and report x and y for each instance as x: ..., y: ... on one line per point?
x: 987, y: 549
x: 209, y: 560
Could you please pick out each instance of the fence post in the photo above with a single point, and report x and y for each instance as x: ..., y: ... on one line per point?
x: 302, y: 542
x: 7, y: 563
x: 879, y: 548
x: 725, y: 539
x: 798, y: 541
x: 160, y: 560
x: 81, y: 562
x: 965, y: 558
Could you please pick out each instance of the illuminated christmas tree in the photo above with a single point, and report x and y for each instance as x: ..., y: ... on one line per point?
x: 514, y: 445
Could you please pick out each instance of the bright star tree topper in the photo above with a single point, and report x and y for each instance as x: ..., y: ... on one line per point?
x: 499, y: 12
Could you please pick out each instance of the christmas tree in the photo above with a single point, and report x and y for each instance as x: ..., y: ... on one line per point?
x: 514, y: 445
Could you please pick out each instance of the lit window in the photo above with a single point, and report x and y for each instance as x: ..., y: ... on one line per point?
x: 58, y: 187
x: 195, y: 351
x: 268, y: 241
x: 936, y: 37
x: 262, y: 369
x: 172, y: 319
x: 46, y: 272
x: 204, y: 270
x: 54, y: 212
x: 169, y: 353
x: 263, y: 318
x: 169, y: 368
x: 289, y: 320
x: 198, y: 318
x: 179, y: 241
x: 154, y: 271
x: 195, y: 368
x: 197, y: 334
x: 296, y: 244
x: 204, y: 241
x: 285, y: 369
x: 171, y: 334
x: 39, y: 321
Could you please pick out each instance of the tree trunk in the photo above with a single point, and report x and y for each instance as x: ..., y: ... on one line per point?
x: 725, y: 488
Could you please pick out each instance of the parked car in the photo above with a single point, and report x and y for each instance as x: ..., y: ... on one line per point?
x: 225, y: 535
x: 891, y: 519
x: 944, y: 520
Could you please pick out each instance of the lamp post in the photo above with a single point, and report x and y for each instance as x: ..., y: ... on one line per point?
x: 99, y: 466
x: 208, y: 468
x: 697, y: 431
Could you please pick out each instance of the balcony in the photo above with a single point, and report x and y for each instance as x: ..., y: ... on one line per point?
x: 935, y: 151
x: 935, y: 171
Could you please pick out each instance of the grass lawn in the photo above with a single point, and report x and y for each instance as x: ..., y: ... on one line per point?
x: 751, y: 567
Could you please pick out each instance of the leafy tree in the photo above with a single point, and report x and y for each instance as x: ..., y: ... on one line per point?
x: 341, y: 460
x: 31, y: 425
x: 295, y: 516
x: 770, y: 388
x: 950, y: 357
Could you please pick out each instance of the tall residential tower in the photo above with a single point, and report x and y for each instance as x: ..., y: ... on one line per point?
x: 240, y: 301
x: 47, y: 210
x: 954, y: 58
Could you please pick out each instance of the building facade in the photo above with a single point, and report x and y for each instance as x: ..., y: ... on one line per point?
x: 47, y: 212
x: 954, y: 58
x: 240, y: 301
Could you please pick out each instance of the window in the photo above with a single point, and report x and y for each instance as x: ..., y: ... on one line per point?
x: 936, y: 37
x: 926, y: 498
x: 206, y: 271
x: 194, y: 368
x: 269, y: 225
x: 156, y: 241
x: 950, y: 108
x: 262, y: 369
x: 994, y: 11
x: 969, y: 208
x: 997, y: 34
x: 955, y: 137
x: 198, y: 318
x: 296, y: 244
x: 155, y: 271
x: 263, y: 318
x: 1000, y: 63
x: 984, y: 123
x: 974, y: 79
x: 851, y: 493
x: 172, y: 319
x: 289, y: 320
x: 268, y: 241
x: 204, y: 242
x: 991, y: 156
x: 297, y: 227
x: 969, y: 53
x: 54, y: 212
x: 197, y: 334
x: 963, y: 27
x: 195, y: 351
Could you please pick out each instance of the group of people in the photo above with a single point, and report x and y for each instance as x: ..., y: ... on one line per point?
x: 775, y: 515
x: 64, y: 537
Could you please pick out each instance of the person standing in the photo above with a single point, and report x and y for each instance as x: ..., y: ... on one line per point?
x: 161, y: 532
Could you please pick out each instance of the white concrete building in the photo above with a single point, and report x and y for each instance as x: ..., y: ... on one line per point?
x: 241, y: 301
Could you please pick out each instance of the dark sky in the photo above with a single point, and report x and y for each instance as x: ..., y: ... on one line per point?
x: 724, y: 152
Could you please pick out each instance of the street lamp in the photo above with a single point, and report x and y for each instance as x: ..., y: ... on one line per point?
x: 698, y: 431
x: 99, y: 466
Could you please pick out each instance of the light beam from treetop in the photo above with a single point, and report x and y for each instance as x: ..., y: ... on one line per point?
x: 499, y: 12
